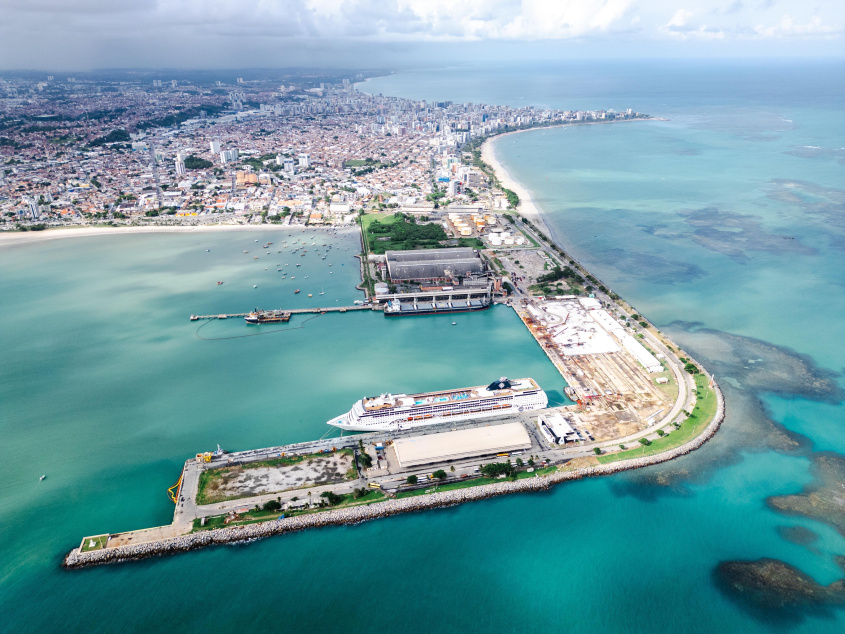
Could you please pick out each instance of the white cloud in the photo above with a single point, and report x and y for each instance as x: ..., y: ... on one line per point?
x: 88, y: 31
x: 681, y: 26
x: 788, y: 27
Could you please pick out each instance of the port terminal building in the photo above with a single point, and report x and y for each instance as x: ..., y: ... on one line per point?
x: 557, y: 429
x: 476, y: 442
x: 433, y: 264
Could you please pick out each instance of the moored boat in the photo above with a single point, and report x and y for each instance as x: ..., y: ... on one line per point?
x: 267, y: 316
x: 392, y: 412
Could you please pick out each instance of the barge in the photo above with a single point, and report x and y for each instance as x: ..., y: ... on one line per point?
x: 267, y: 316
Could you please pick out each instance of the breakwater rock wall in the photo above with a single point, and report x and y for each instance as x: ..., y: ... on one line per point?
x: 356, y: 514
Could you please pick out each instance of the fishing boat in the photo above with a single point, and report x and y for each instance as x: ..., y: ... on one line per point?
x: 219, y: 283
x: 296, y: 291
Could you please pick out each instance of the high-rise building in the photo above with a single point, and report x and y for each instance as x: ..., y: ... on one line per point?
x: 304, y: 160
x: 173, y: 83
x: 288, y: 166
x: 215, y: 146
x: 227, y: 156
x: 180, y: 167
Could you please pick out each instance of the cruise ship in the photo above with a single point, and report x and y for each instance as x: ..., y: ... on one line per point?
x: 393, y: 412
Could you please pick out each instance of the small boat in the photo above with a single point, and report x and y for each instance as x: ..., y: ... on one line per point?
x: 322, y: 292
x: 296, y: 291
x: 206, y: 251
x: 310, y: 295
x: 42, y: 477
x: 454, y: 323
x: 299, y: 265
x: 246, y: 251
x: 219, y: 283
x: 255, y: 286
x: 306, y: 277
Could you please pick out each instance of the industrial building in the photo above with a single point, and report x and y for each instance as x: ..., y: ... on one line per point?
x: 465, y: 443
x: 433, y: 264
x: 556, y: 429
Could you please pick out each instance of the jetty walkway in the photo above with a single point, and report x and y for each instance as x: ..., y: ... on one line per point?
x: 294, y: 311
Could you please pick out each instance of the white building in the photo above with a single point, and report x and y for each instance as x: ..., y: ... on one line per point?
x: 215, y: 146
x: 304, y: 160
x: 227, y: 156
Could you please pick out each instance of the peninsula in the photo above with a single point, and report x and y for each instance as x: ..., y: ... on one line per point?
x: 443, y: 229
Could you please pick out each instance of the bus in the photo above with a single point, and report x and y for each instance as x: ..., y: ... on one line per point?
x: 503, y: 455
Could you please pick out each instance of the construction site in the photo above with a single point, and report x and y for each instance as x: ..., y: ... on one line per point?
x: 619, y: 386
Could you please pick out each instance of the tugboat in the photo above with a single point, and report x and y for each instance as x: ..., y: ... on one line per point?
x: 267, y: 316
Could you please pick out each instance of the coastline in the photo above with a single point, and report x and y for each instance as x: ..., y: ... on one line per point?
x: 527, y: 208
x: 19, y: 237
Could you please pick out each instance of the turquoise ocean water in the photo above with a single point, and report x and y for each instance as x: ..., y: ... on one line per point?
x: 722, y: 224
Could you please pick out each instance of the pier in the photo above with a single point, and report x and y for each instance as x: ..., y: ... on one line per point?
x: 294, y: 311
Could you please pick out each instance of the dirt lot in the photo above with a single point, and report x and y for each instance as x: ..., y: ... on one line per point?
x: 230, y: 483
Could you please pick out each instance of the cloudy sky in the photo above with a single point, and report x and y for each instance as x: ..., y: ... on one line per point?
x: 84, y: 34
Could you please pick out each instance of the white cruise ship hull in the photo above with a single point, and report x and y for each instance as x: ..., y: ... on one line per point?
x: 434, y: 412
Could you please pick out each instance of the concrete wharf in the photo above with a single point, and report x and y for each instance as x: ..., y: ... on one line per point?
x: 294, y: 311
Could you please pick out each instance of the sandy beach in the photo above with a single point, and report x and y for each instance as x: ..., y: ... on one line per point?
x: 9, y: 238
x: 526, y: 208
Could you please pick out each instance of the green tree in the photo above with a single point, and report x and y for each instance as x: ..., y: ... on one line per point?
x: 331, y: 497
x: 272, y: 505
x: 440, y: 474
x: 196, y: 163
x: 411, y: 479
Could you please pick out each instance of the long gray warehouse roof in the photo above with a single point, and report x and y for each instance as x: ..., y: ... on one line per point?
x: 433, y: 270
x: 431, y: 255
x: 466, y: 443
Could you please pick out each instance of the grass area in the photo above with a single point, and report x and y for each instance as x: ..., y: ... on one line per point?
x: 256, y: 516
x: 395, y: 233
x: 355, y: 162
x: 670, y: 389
x: 702, y: 414
x: 451, y: 486
x: 208, y: 478
x: 99, y: 542
x: 471, y: 482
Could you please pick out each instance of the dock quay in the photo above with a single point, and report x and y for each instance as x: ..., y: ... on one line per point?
x: 182, y: 537
x: 294, y: 311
